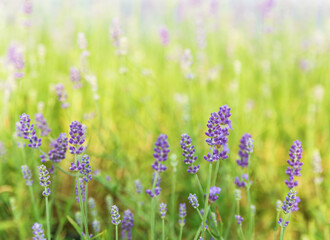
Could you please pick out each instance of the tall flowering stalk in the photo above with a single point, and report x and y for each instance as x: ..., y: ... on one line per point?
x: 42, y: 124
x: 182, y: 217
x: 127, y: 225
x: 115, y: 218
x: 217, y: 138
x: 290, y: 204
x: 26, y: 130
x: 244, y: 155
x: 162, y: 211
x: 161, y: 151
x: 45, y: 182
x: 80, y: 167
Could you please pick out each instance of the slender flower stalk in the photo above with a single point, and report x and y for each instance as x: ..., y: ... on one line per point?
x: 162, y: 211
x: 182, y: 216
x: 127, y: 225
x: 115, y: 218
x: 45, y: 182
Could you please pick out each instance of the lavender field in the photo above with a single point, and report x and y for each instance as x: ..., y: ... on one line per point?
x: 179, y: 119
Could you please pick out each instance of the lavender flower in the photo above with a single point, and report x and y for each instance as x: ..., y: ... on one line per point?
x: 62, y: 95
x: 15, y: 58
x: 214, y: 193
x: 138, y: 186
x: 193, y: 200
x: 246, y: 149
x: 164, y: 35
x: 126, y: 226
x: 27, y: 6
x: 82, y: 190
x: 160, y: 153
x: 26, y: 130
x: 38, y: 232
x: 91, y: 204
x: 162, y: 210
x: 115, y: 215
x: 289, y: 201
x: 188, y: 152
x: 44, y: 180
x: 182, y: 214
x: 239, y: 219
x: 42, y: 124
x: 96, y: 226
x: 77, y: 137
x: 242, y: 183
x: 218, y: 131
x: 75, y: 77
x: 27, y: 175
x: 59, y: 148
x: 157, y: 186
x: 83, y: 168
x: 77, y: 216
x: 295, y: 164
x: 280, y: 222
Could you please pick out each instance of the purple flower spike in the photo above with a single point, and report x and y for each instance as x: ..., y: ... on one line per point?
x: 289, y: 201
x: 27, y: 175
x: 127, y: 225
x: 62, y: 95
x: 83, y: 167
x: 59, y: 148
x: 218, y: 131
x: 157, y: 186
x: 38, y: 232
x: 246, y: 148
x: 244, y: 181
x: 26, y: 130
x: 138, y: 186
x: 44, y: 180
x: 239, y: 219
x: 162, y: 210
x: 96, y: 226
x: 188, y: 152
x: 161, y: 151
x: 280, y: 222
x: 164, y: 35
x: 193, y: 200
x: 115, y: 215
x: 82, y: 190
x: 182, y: 214
x: 15, y: 58
x: 75, y: 77
x: 77, y: 137
x: 295, y: 164
x: 42, y: 124
x: 214, y: 193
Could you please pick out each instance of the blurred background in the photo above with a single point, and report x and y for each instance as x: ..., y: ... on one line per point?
x: 148, y: 67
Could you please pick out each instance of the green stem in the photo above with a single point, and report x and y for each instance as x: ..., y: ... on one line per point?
x: 241, y: 232
x: 181, y: 230
x: 47, y: 219
x: 199, y: 185
x: 66, y: 172
x: 207, y: 198
x: 198, y: 233
x: 276, y: 224
x: 208, y: 229
x: 216, y: 173
x: 116, y: 232
x: 250, y: 212
x: 152, y: 217
x: 173, y: 203
x: 282, y: 228
x: 163, y: 229
x: 35, y: 209
x: 85, y: 211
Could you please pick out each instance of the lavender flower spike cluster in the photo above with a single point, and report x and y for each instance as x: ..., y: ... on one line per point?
x: 77, y: 137
x: 295, y: 164
x: 59, y: 148
x: 26, y: 130
x: 193, y: 200
x: 162, y: 210
x: 182, y: 214
x: 161, y: 151
x: 127, y: 225
x: 218, y: 132
x: 42, y: 124
x: 27, y: 175
x: 214, y: 193
x: 38, y: 232
x: 245, y: 150
x: 44, y: 180
x: 188, y: 152
x: 83, y: 167
x: 115, y: 215
x: 62, y: 95
x: 239, y: 219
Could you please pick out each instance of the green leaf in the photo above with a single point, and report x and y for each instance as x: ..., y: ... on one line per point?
x: 75, y: 225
